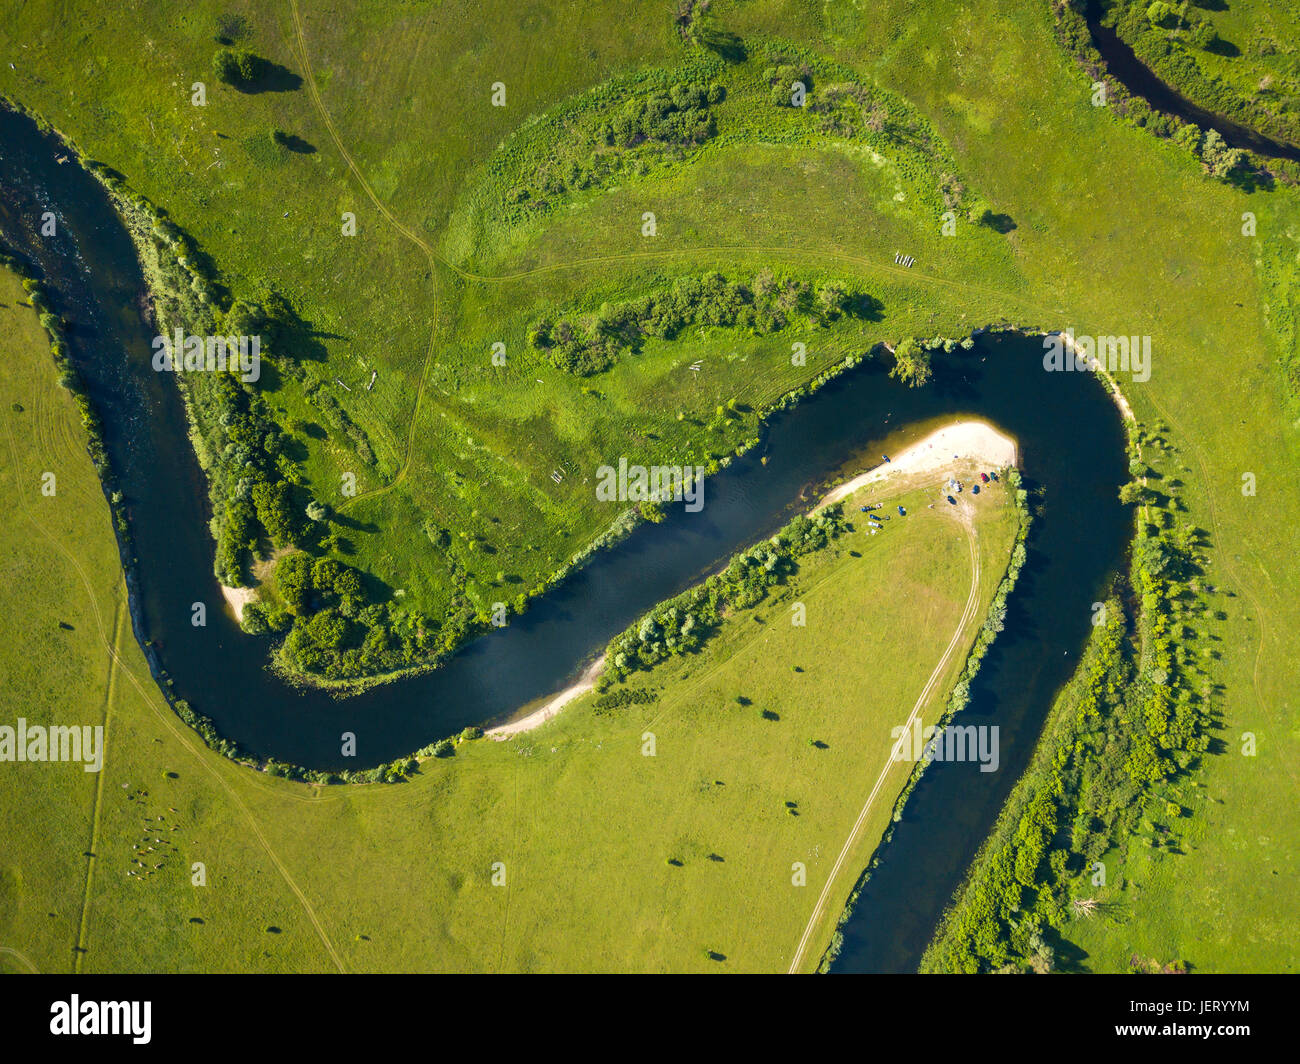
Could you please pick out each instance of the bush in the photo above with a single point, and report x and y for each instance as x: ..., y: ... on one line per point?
x: 238, y: 67
x: 253, y: 620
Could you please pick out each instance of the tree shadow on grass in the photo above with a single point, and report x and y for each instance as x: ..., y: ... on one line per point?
x: 271, y: 77
x: 294, y: 143
x: 999, y: 223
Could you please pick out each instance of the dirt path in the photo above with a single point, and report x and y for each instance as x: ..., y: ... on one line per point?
x: 968, y: 614
x: 9, y: 951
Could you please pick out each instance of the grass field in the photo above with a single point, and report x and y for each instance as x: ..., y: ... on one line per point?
x: 1115, y: 232
x: 433, y: 262
x: 584, y: 822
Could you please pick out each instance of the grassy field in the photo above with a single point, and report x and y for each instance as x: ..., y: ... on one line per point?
x: 67, y: 902
x: 445, y: 264
x: 584, y: 822
x: 1115, y: 232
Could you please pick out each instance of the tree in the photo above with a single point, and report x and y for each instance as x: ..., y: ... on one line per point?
x: 1159, y: 13
x: 317, y: 511
x: 253, y: 619
x: 832, y: 298
x: 1202, y: 34
x: 1132, y: 492
x: 226, y: 66
x: 275, y: 511
x: 911, y: 363
x: 1219, y: 160
x: 293, y: 579
x: 238, y: 67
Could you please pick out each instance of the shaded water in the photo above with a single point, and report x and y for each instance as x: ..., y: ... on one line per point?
x: 1071, y: 443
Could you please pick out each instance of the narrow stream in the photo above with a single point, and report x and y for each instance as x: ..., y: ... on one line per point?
x: 1141, y: 80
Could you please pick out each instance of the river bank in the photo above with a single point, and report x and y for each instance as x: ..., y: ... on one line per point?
x: 971, y: 440
x: 977, y: 441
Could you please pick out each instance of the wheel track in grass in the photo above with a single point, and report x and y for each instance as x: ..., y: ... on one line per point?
x: 182, y: 733
x: 9, y: 951
x: 968, y: 614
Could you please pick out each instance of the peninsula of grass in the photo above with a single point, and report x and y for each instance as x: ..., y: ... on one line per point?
x: 716, y: 777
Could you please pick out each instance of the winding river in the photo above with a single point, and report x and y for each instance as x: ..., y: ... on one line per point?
x: 1072, y: 447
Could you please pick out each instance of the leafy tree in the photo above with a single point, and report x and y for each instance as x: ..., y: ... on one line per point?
x: 832, y: 298
x: 1159, y: 13
x: 911, y: 363
x: 1202, y: 34
x: 238, y: 67
x: 226, y: 66
x: 275, y: 511
x: 253, y: 620
x: 1218, y: 159
x: 293, y: 580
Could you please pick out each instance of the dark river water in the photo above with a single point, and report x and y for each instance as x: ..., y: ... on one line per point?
x: 1072, y: 448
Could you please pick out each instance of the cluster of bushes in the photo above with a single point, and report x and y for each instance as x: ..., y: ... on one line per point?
x: 912, y: 358
x: 620, y: 127
x: 591, y: 344
x: 1135, y: 723
x: 781, y: 78
x: 621, y: 697
x: 339, y: 636
x: 1185, y: 21
x: 238, y: 67
x: 684, y: 623
x: 339, y: 420
x: 252, y: 493
x: 678, y: 116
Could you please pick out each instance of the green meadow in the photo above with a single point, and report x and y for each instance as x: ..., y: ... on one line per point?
x: 626, y: 838
x: 475, y: 221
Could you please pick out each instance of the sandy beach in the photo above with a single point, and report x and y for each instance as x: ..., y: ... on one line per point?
x: 238, y: 597
x: 540, y: 716
x: 974, y: 440
x: 977, y: 441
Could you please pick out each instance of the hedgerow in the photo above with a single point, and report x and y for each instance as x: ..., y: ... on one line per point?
x: 1135, y: 721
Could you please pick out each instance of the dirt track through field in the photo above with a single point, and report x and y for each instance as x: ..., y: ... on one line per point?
x: 968, y: 614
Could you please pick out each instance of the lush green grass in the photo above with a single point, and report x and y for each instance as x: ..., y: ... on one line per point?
x: 584, y: 823
x: 60, y: 568
x: 836, y: 188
